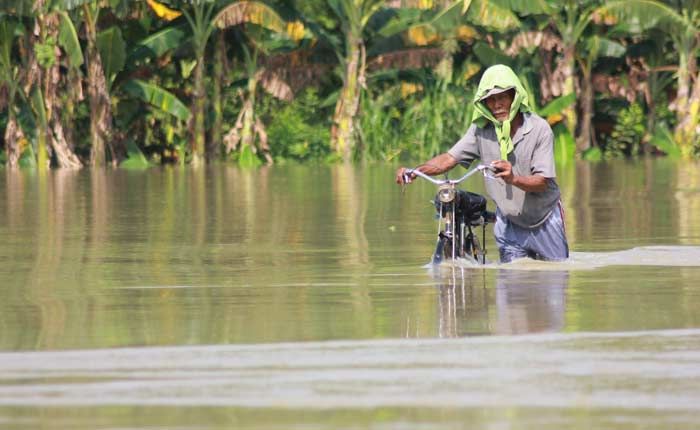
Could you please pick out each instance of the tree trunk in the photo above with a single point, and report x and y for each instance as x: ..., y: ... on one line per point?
x: 199, y: 102
x: 62, y: 151
x: 343, y: 130
x: 13, y: 136
x: 216, y: 139
x: 248, y: 125
x: 688, y: 106
x: 101, y: 126
x: 586, y: 137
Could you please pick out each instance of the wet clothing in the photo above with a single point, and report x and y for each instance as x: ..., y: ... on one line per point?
x: 533, y: 154
x: 545, y: 242
x: 528, y: 223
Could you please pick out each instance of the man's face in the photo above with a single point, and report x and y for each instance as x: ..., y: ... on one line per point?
x: 499, y: 104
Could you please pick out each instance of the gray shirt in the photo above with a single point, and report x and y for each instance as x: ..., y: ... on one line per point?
x: 533, y: 154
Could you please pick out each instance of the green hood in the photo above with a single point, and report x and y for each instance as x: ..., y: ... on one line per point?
x: 500, y: 76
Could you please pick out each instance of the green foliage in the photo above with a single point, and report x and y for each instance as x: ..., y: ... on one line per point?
x: 157, y: 97
x: 627, y: 136
x: 135, y: 158
x: 248, y: 158
x: 45, y: 53
x: 564, y: 145
x: 415, y: 126
x: 557, y: 106
x: 663, y: 141
x: 593, y: 154
x: 297, y: 131
x: 158, y: 43
x: 27, y: 159
x: 68, y: 39
x: 112, y: 49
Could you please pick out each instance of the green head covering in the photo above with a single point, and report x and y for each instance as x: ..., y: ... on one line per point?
x: 500, y: 76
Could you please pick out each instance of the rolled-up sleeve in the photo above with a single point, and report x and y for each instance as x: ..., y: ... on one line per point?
x: 466, y: 149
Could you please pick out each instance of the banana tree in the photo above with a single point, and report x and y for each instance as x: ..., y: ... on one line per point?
x: 353, y: 16
x: 566, y: 21
x: 204, y: 17
x: 366, y: 38
x: 9, y: 79
x: 596, y: 47
x: 43, y: 83
x: 682, y: 24
x: 101, y: 121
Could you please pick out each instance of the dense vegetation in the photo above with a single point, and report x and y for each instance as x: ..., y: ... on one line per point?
x: 131, y: 83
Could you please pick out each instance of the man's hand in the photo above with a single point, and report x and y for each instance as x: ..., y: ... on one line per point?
x: 402, y: 177
x: 531, y: 184
x: 504, y: 170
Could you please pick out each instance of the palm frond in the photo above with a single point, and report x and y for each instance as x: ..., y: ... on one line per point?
x: 250, y: 12
x: 535, y: 39
x: 646, y: 14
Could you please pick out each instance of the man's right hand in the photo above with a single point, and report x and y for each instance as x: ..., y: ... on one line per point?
x: 404, y: 178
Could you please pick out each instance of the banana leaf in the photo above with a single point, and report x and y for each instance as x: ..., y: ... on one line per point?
x: 112, y: 49
x: 250, y: 12
x: 157, y: 97
x: 68, y: 39
x: 158, y: 43
x: 557, y: 105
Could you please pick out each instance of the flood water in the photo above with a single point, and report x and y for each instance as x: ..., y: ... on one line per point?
x: 297, y: 297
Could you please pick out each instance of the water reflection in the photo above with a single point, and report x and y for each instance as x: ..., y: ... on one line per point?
x: 528, y: 302
x: 524, y: 302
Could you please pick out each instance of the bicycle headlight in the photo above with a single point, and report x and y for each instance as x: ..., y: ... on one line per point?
x: 446, y: 194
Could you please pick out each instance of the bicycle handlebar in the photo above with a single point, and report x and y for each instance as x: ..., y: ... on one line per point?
x: 480, y: 168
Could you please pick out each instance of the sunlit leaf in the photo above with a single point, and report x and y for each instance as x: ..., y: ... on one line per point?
x: 162, y: 11
x: 487, y: 13
x: 466, y: 33
x: 157, y: 97
x: 250, y: 12
x: 296, y: 30
x: 422, y: 35
x: 469, y: 70
x: 408, y: 88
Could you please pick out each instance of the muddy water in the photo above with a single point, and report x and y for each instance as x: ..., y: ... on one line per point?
x: 297, y: 297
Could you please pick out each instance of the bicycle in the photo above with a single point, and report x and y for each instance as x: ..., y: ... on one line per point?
x: 461, y: 212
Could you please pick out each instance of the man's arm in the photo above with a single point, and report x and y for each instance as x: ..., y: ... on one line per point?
x: 531, y: 183
x: 435, y: 166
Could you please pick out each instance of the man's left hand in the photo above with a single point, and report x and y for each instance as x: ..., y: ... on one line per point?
x: 504, y: 170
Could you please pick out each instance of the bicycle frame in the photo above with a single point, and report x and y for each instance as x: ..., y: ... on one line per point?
x: 459, y: 212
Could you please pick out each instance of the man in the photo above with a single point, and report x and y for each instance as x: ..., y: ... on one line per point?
x: 519, y: 145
